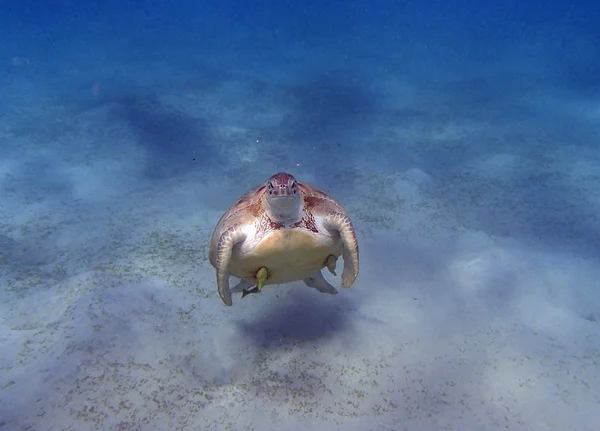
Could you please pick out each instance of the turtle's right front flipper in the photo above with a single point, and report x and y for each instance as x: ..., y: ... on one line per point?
x: 226, y: 242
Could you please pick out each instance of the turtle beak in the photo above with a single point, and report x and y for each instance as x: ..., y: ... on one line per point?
x: 282, y: 192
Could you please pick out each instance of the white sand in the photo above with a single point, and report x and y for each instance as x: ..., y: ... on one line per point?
x: 477, y: 306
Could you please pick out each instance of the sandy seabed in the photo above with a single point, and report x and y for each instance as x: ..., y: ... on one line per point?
x: 476, y: 308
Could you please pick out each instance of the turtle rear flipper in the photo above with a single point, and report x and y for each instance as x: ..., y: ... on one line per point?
x: 318, y: 282
x: 247, y: 292
x: 242, y: 286
x: 261, y: 278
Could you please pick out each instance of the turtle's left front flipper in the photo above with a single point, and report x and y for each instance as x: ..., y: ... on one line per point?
x: 342, y: 224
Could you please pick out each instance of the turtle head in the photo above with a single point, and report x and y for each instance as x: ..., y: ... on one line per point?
x: 282, y: 185
x: 283, y: 198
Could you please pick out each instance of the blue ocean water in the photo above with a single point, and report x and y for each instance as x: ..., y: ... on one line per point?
x: 461, y: 137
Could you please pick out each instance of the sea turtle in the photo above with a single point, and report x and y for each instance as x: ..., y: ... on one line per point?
x: 279, y: 232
